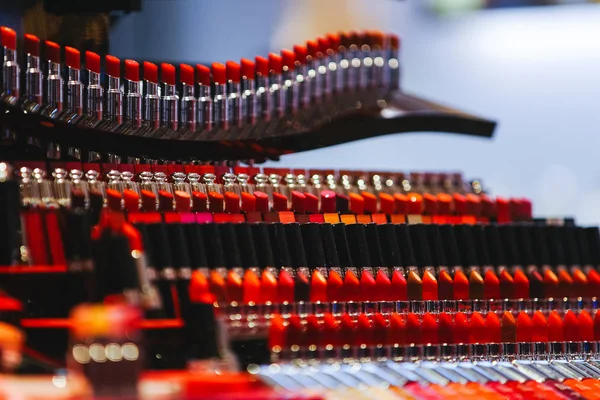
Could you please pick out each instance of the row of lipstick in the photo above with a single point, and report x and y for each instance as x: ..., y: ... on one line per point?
x: 277, y: 263
x: 518, y: 380
x: 220, y: 97
x: 327, y: 332
x: 235, y: 193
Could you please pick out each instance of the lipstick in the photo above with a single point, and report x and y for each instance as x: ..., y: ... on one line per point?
x: 418, y: 234
x: 169, y: 101
x: 263, y: 97
x: 393, y: 64
x: 327, y: 64
x: 189, y: 105
x: 94, y: 92
x: 220, y: 102
x: 298, y: 262
x: 302, y: 79
x: 440, y: 260
x: 74, y: 89
x: 234, y: 96
x: 275, y: 85
x: 315, y: 260
x: 33, y: 74
x: 249, y: 106
x: 290, y: 81
x: 133, y: 98
x: 152, y: 98
x: 525, y: 286
x: 114, y: 95
x: 205, y: 100
x: 414, y: 282
x: 10, y: 67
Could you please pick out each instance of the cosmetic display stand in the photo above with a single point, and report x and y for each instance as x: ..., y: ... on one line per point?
x: 392, y: 113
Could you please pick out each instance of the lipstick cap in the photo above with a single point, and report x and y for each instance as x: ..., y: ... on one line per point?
x: 178, y: 245
x: 202, y: 332
x: 593, y: 240
x: 495, y: 249
x: 341, y: 243
x: 583, y: 246
x: 159, y: 245
x: 481, y: 247
x: 509, y: 244
x: 569, y: 238
x: 555, y: 245
x: 195, y: 245
x: 213, y: 245
x: 390, y: 252
x: 449, y: 244
x: 313, y: 245
x: 245, y: 241
x: 143, y: 230
x: 10, y: 222
x: 540, y: 245
x: 77, y: 235
x: 405, y: 244
x: 374, y: 245
x: 329, y: 246
x: 358, y: 245
x: 418, y: 236
x: 342, y: 203
x: 466, y: 245
x: 279, y: 245
x: 231, y: 249
x: 262, y: 244
x: 436, y: 244
x: 295, y: 245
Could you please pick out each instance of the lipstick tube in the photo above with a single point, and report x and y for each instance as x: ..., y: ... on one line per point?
x: 133, y: 99
x: 249, y: 106
x: 189, y: 105
x: 73, y: 85
x: 275, y: 85
x: 392, y: 62
x: 290, y: 81
x: 61, y: 187
x: 205, y: 100
x: 152, y: 98
x: 263, y: 98
x: 234, y: 95
x: 315, y: 78
x: 327, y: 67
x: 33, y: 73
x: 366, y: 69
x: 378, y: 75
x: 169, y: 100
x: 335, y: 71
x: 95, y: 91
x: 220, y: 102
x: 304, y: 94
x: 244, y: 184
x: 10, y: 67
x: 54, y: 81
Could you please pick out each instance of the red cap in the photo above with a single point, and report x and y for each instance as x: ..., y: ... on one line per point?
x: 150, y: 72
x: 334, y: 40
x: 203, y: 74
x: 113, y: 66
x: 167, y: 73
x: 288, y: 58
x: 92, y: 62
x: 262, y: 65
x: 72, y: 57
x: 186, y: 74
x: 52, y: 51
x: 275, y: 62
x: 132, y: 70
x: 301, y: 53
x: 313, y: 48
x: 394, y: 41
x: 8, y: 38
x: 377, y: 38
x: 345, y: 39
x: 247, y: 68
x: 219, y: 74
x: 233, y: 71
x: 324, y: 44
x: 32, y: 45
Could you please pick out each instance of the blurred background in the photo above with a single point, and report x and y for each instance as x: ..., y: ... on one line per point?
x: 531, y: 66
